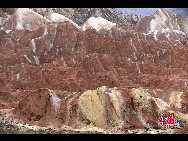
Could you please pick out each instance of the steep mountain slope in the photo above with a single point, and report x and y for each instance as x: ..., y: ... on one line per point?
x: 80, y: 15
x: 173, y: 27
x: 97, y: 23
x: 24, y: 18
x: 55, y: 17
x: 58, y: 75
x: 162, y: 19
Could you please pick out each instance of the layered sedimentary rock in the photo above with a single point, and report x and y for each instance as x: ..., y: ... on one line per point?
x: 105, y: 76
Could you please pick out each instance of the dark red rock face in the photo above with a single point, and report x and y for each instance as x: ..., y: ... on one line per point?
x: 45, y: 72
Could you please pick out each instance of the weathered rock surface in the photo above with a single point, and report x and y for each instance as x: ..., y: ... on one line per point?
x: 55, y: 17
x: 81, y: 15
x: 115, y: 79
x: 163, y: 19
x: 97, y: 23
x: 24, y: 18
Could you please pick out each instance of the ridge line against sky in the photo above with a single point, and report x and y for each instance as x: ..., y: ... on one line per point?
x: 149, y: 11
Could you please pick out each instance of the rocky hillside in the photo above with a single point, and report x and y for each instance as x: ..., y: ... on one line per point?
x: 61, y: 73
x: 80, y: 15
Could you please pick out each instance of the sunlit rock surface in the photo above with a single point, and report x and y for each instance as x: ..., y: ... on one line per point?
x: 54, y: 74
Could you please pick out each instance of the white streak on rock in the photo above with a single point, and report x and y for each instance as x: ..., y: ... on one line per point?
x: 155, y: 34
x: 137, y: 67
x: 36, y: 60
x: 45, y: 31
x: 168, y: 36
x: 100, y: 64
x: 27, y: 58
x: 64, y: 64
x: 133, y: 45
x: 2, y: 28
x: 74, y: 62
x: 134, y: 55
x: 17, y: 76
x: 8, y: 31
x: 54, y: 63
x: 178, y: 41
x: 33, y: 45
x: 19, y: 26
x: 55, y: 100
x: 154, y: 92
x: 179, y: 32
x: 51, y: 44
x: 146, y: 39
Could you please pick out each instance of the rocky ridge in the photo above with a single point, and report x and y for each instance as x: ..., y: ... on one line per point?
x: 80, y: 15
x: 55, y: 74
